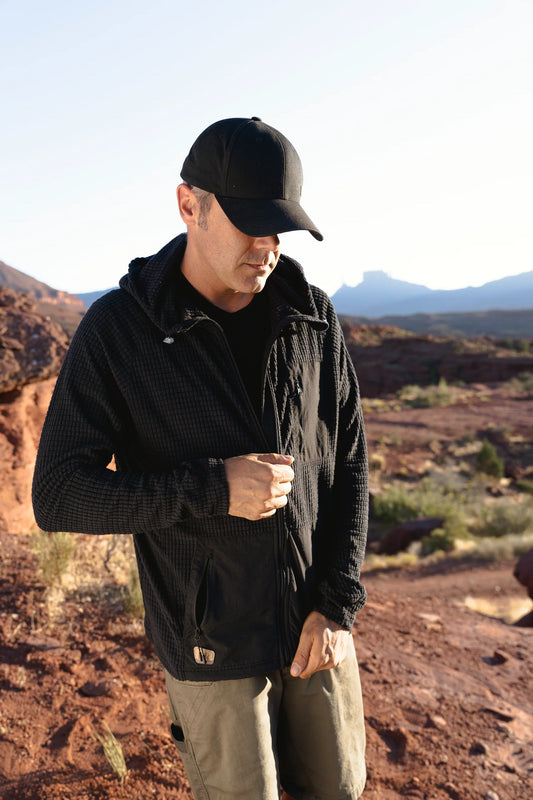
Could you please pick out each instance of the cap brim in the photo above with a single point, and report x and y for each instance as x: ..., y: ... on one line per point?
x: 267, y: 217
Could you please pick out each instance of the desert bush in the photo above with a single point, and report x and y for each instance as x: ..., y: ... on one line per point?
x: 504, y: 548
x: 502, y: 519
x: 524, y: 485
x: 132, y: 596
x: 488, y: 461
x: 522, y: 346
x: 376, y: 462
x: 54, y: 553
x: 398, y: 504
x: 428, y: 396
x: 439, y: 539
x: 523, y: 384
x: 484, y: 549
x: 373, y: 561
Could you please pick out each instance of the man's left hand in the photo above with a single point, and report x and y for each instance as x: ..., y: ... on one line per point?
x: 323, y: 645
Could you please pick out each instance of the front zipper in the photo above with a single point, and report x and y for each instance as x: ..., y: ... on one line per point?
x: 281, y: 556
x: 283, y: 571
x: 281, y: 538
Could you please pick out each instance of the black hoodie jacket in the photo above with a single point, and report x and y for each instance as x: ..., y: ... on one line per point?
x: 152, y: 381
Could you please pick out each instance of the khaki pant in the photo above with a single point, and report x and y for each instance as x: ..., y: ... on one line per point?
x: 242, y: 739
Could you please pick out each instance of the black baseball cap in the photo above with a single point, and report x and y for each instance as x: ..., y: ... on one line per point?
x: 255, y: 174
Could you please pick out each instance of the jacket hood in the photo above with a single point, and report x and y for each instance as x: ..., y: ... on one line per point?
x: 152, y: 284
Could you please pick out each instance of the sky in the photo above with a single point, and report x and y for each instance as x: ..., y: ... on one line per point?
x: 413, y: 120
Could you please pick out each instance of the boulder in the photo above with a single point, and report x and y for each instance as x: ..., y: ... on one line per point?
x: 400, y: 537
x: 523, y: 571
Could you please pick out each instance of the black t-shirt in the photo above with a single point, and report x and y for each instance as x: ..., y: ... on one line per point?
x: 247, y: 333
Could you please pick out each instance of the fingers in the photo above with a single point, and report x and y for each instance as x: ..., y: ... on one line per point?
x: 323, y: 645
x: 258, y: 484
x: 301, y: 659
x: 318, y: 658
x: 280, y: 466
x: 275, y: 458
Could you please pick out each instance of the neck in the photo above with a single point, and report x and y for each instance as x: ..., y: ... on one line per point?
x: 212, y: 289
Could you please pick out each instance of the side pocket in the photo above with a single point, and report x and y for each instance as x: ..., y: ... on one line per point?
x: 202, y: 595
x: 197, y: 601
x: 178, y: 737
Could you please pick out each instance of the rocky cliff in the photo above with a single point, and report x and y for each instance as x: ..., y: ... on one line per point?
x: 32, y: 348
x: 387, y: 358
x: 64, y: 308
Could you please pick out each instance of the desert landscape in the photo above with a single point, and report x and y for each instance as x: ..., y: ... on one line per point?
x: 446, y: 670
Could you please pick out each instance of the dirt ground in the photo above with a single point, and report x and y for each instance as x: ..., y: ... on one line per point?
x: 414, y: 438
x: 448, y: 690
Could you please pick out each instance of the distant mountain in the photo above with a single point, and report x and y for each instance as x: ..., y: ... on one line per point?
x: 379, y: 295
x: 88, y: 298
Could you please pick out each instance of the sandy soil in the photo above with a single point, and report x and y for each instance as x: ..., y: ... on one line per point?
x: 448, y: 691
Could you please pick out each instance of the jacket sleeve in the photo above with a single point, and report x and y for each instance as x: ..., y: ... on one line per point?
x: 340, y: 592
x: 73, y: 487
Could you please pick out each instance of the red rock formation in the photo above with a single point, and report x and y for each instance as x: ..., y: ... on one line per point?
x: 388, y: 358
x: 32, y: 347
x: 22, y: 414
x: 31, y: 351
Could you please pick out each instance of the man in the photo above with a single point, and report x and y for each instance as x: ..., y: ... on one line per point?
x: 219, y: 380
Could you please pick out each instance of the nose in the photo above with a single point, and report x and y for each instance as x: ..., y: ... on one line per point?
x: 272, y: 242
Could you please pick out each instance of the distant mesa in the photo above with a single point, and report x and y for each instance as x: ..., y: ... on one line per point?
x: 379, y: 295
x: 88, y: 298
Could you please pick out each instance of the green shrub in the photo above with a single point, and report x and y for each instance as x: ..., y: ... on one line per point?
x: 54, y: 553
x: 488, y: 460
x: 524, y: 485
x: 522, y: 346
x: 398, y: 504
x: 506, y: 547
x: 524, y: 383
x: 439, y: 539
x: 428, y: 396
x: 499, y: 520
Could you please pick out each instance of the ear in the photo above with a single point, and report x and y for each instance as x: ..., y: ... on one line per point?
x: 187, y: 204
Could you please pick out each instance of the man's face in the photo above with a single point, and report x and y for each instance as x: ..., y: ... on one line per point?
x: 232, y: 265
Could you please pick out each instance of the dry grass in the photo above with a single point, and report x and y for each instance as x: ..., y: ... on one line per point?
x: 508, y: 609
x: 113, y: 752
x: 54, y: 553
x: 133, y: 599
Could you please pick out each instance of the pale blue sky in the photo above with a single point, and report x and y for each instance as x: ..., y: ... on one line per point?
x: 414, y: 122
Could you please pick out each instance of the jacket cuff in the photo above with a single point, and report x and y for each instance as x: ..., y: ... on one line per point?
x: 201, y: 488
x: 337, y: 612
x: 217, y: 488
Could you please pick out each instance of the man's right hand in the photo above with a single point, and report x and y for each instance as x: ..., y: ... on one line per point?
x: 258, y: 484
